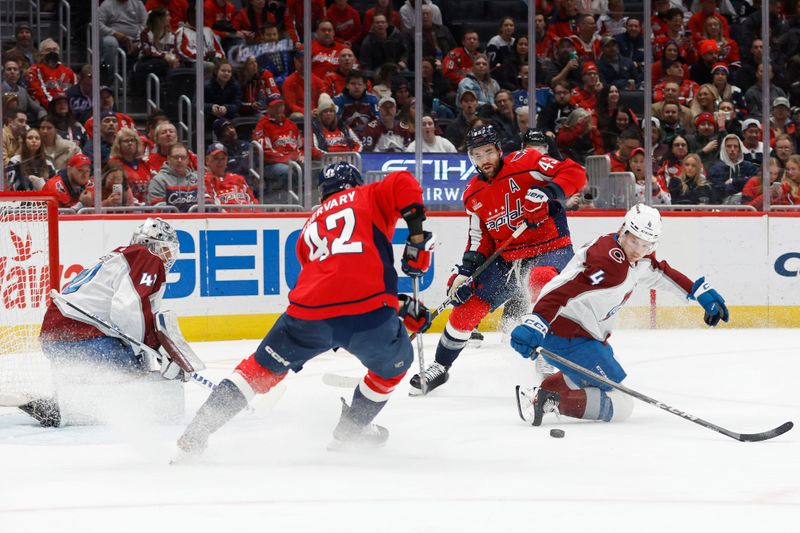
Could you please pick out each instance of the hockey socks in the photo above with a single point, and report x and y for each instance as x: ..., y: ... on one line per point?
x: 451, y: 343
x: 588, y: 403
x: 371, y: 395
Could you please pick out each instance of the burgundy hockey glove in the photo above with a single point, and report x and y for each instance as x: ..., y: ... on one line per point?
x: 535, y: 206
x: 417, y: 255
x: 415, y: 321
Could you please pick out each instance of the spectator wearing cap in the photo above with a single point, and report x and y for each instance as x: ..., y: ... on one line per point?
x: 697, y: 21
x: 457, y: 130
x: 80, y: 94
x: 479, y: 81
x: 157, y: 46
x: 121, y: 23
x: 627, y: 141
x: 458, y: 62
x: 175, y: 183
x: 175, y: 8
x: 164, y: 136
x: 753, y: 146
x: 728, y: 48
x: 616, y: 69
x: 780, y: 119
x: 15, y: 124
x: 72, y: 186
x: 401, y: 91
x: 586, y: 39
x: 293, y: 87
x: 565, y: 66
x: 705, y: 141
x: 729, y: 176
x: 49, y: 77
x: 387, y: 133
x: 280, y: 139
x: 11, y: 85
x: 346, y: 22
x: 556, y: 112
x: 383, y: 44
x: 331, y: 134
x: 336, y: 80
x: 356, y: 107
x: 238, y: 150
x: 107, y: 104
x: 585, y: 96
x: 753, y: 96
x: 126, y: 151
x: 225, y: 188
x: 60, y: 114
x: 325, y: 49
x: 57, y: 149
x: 505, y: 121
x: 720, y: 74
x: 700, y: 71
x: 186, y: 43
x: 674, y: 72
x: 108, y: 132
x: 637, y: 164
x: 23, y: 45
x: 432, y: 143
x: 223, y: 94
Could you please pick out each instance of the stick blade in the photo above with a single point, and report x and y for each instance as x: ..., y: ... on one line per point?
x: 766, y: 435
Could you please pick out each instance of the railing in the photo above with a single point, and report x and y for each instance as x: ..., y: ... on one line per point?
x: 153, y: 85
x: 256, y: 163
x: 354, y: 158
x: 706, y: 207
x: 185, y: 128
x: 89, y: 51
x: 121, y: 78
x: 65, y: 28
x: 33, y: 9
x: 785, y: 207
x: 157, y: 208
x: 296, y: 172
x: 221, y: 208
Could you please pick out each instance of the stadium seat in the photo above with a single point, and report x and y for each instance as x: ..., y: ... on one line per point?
x: 245, y: 126
x: 633, y: 100
x: 497, y: 9
x: 178, y: 82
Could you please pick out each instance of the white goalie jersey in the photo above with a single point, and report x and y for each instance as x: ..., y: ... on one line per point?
x: 124, y: 287
x: 584, y: 299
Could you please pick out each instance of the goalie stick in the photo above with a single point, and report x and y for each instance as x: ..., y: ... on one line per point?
x: 742, y: 437
x: 346, y: 382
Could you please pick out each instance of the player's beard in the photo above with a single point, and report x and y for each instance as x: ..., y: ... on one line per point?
x: 489, y: 169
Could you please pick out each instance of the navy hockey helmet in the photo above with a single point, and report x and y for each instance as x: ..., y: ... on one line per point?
x: 535, y: 137
x: 338, y: 176
x: 481, y: 136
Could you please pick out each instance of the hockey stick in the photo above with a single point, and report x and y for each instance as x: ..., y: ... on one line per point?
x: 742, y: 437
x: 114, y: 330
x: 423, y: 382
x: 347, y: 382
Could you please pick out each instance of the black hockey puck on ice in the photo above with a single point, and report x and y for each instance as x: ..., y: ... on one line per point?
x: 557, y: 433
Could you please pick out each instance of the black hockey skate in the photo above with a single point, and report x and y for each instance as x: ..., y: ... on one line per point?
x: 534, y: 402
x: 348, y: 433
x: 436, y: 375
x: 45, y: 411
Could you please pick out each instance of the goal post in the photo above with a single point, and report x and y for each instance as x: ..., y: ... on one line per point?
x: 29, y: 268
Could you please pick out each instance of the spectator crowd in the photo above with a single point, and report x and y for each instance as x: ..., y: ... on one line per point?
x: 706, y: 71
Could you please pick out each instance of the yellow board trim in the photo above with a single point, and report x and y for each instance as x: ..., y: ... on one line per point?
x: 231, y: 327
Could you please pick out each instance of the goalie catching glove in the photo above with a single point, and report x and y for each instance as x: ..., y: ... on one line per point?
x: 417, y: 255
x: 713, y: 303
x: 416, y: 319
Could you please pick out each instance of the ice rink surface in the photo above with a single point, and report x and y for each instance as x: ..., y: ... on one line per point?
x: 459, y: 460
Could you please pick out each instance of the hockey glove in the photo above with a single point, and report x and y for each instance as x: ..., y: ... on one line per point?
x: 528, y: 336
x: 535, y: 208
x: 416, y: 321
x: 417, y: 255
x: 712, y: 302
x: 170, y: 369
x: 460, y: 286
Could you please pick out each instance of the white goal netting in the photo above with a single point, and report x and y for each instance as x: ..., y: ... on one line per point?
x: 25, y: 280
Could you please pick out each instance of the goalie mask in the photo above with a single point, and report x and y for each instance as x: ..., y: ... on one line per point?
x: 158, y: 237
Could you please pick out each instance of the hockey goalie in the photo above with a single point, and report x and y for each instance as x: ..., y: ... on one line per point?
x: 112, y: 350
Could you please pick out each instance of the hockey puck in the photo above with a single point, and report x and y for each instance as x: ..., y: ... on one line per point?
x: 557, y: 433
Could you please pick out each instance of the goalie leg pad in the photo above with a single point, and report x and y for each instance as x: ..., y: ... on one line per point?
x: 260, y: 379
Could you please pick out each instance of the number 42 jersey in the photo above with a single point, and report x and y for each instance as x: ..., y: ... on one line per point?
x: 345, y: 250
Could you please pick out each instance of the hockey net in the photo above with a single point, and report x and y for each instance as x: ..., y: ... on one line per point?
x: 28, y: 270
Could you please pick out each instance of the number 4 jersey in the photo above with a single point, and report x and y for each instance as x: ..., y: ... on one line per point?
x: 124, y: 287
x: 345, y: 250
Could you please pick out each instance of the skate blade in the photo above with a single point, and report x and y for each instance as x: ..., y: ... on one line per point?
x: 524, y: 413
x: 346, y: 446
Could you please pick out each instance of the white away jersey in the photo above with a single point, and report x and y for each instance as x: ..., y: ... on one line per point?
x: 584, y: 299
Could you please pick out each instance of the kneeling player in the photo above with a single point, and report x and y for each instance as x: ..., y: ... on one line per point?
x: 575, y: 314
x: 345, y: 296
x: 123, y: 288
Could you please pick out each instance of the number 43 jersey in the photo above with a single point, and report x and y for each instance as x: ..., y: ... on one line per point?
x: 345, y: 250
x: 124, y: 287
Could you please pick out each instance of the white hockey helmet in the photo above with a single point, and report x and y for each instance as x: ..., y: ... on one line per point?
x: 644, y: 222
x: 160, y: 238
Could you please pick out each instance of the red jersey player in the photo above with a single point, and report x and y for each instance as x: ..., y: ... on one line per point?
x: 345, y: 296
x: 124, y: 288
x: 575, y: 314
x: 527, y: 187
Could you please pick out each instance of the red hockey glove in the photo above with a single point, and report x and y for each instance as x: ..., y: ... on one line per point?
x: 417, y: 255
x: 416, y: 321
x: 535, y: 207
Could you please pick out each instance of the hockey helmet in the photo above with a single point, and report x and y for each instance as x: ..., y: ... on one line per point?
x: 160, y: 238
x: 337, y: 177
x: 535, y: 137
x: 480, y: 136
x: 644, y: 222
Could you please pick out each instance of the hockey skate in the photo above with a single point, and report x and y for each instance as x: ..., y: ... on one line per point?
x: 44, y: 411
x: 475, y: 339
x: 436, y: 375
x: 349, y: 434
x: 534, y: 402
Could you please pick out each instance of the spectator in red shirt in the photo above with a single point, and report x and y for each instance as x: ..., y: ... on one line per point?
x: 728, y: 49
x: 114, y: 174
x: 325, y: 50
x: 165, y: 136
x: 698, y: 20
x: 458, y: 62
x: 627, y: 142
x: 675, y: 32
x: 563, y: 22
x: 293, y: 87
x: 336, y: 80
x: 586, y: 39
x: 176, y: 8
x: 281, y: 141
x: 293, y: 17
x: 72, y: 186
x: 385, y: 8
x: 49, y: 77
x: 225, y: 188
x: 127, y: 151
x: 251, y: 21
x: 254, y: 88
x: 107, y: 104
x: 331, y: 134
x: 346, y: 22
x: 660, y: 19
x: 586, y: 95
x: 218, y: 15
